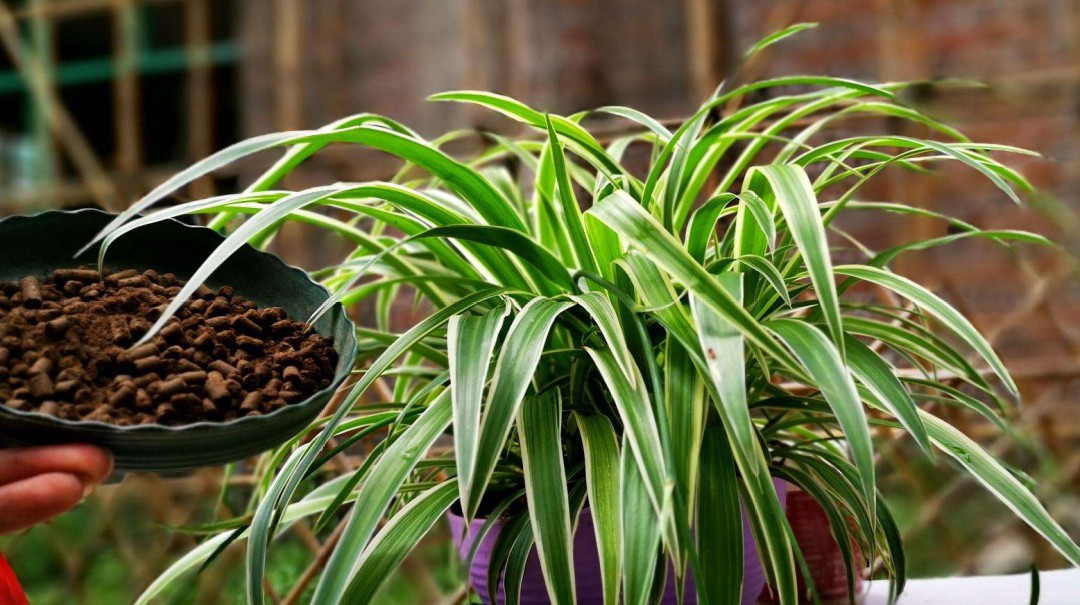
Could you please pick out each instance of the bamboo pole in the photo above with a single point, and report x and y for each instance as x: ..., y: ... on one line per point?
x: 289, y: 115
x: 902, y: 57
x: 200, y: 90
x: 708, y: 45
x: 289, y: 36
x: 126, y: 88
x: 41, y: 36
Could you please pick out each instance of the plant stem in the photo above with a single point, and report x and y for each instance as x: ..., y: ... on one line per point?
x: 316, y: 566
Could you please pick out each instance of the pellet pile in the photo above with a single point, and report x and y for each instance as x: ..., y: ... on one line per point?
x: 65, y: 351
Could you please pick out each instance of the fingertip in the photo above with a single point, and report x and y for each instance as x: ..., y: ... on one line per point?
x: 104, y: 464
x: 97, y: 462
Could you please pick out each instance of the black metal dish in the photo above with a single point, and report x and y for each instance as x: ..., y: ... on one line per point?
x: 40, y: 243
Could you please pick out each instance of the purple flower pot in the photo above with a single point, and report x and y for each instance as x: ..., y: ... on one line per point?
x: 587, y: 563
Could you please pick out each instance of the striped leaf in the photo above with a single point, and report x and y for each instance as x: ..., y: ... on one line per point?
x: 603, y: 313
x: 878, y: 376
x: 282, y: 490
x: 795, y: 196
x: 635, y: 411
x: 514, y: 241
x: 623, y: 214
x: 571, y: 211
x: 515, y: 537
x: 517, y: 362
x: 374, y: 497
x: 396, y: 539
x: 703, y: 225
x: 936, y: 306
x: 540, y: 429
x: 723, y: 349
x: 470, y: 344
x: 719, y: 523
x: 602, y: 474
x: 822, y: 361
x: 687, y: 408
x: 1001, y: 483
x: 516, y: 559
x: 641, y: 535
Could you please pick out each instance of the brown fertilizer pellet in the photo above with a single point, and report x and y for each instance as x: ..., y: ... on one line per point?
x: 65, y: 351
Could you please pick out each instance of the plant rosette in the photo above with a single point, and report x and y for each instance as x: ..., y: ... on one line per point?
x: 656, y: 341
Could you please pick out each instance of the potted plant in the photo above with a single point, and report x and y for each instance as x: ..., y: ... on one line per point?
x: 632, y: 353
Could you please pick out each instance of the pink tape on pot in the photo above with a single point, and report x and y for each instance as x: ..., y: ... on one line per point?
x: 587, y: 563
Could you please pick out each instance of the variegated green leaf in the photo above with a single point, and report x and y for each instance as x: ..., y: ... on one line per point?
x: 824, y: 365
x: 540, y: 429
x: 602, y: 470
x: 470, y: 344
x: 396, y: 539
x: 375, y: 495
x: 719, y: 523
x: 514, y: 370
x: 641, y: 534
x: 936, y: 306
x: 794, y: 194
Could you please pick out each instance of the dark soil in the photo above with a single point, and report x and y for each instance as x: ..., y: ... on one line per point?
x: 65, y: 351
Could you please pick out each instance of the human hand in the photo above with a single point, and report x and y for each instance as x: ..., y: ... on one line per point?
x: 39, y: 483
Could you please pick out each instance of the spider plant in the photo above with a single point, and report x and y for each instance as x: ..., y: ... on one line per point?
x: 658, y: 343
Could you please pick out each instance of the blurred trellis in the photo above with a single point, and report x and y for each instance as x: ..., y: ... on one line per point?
x: 101, y: 99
